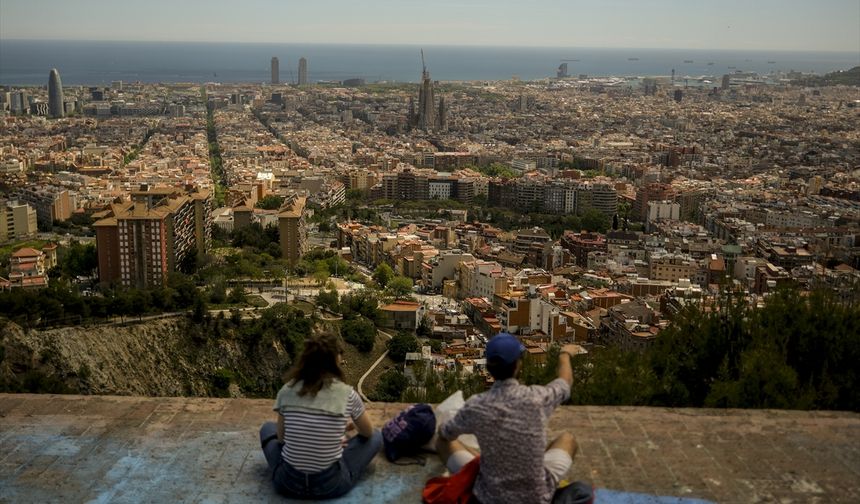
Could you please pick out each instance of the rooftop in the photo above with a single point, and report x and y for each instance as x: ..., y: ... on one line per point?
x: 26, y: 252
x: 119, y: 449
x: 405, y: 306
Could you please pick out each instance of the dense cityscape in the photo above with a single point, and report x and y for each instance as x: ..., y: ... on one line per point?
x: 450, y: 252
x: 571, y: 209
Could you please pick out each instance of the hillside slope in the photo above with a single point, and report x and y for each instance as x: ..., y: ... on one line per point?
x: 155, y: 358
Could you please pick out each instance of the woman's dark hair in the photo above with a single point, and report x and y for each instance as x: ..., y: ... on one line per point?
x: 319, y: 364
x: 501, y: 370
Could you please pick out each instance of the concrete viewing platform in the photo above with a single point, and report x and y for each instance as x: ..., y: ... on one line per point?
x: 56, y: 448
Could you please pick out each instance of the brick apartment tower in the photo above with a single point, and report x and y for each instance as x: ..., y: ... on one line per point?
x: 141, y: 242
x: 293, y: 230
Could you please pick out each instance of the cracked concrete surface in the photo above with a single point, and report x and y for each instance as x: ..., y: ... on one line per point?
x: 140, y: 449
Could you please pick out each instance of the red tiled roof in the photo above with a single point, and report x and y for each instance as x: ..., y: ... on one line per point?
x: 26, y: 252
x: 401, y: 306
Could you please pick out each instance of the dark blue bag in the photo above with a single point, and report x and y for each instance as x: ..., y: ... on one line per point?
x: 407, y: 432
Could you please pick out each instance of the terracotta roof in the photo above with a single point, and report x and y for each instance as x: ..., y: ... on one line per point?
x: 26, y: 252
x: 401, y: 306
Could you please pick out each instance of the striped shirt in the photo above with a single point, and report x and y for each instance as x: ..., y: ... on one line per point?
x: 312, y: 441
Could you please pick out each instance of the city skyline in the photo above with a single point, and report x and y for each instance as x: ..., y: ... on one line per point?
x: 833, y: 25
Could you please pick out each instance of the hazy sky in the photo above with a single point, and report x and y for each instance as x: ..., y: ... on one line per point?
x: 684, y: 24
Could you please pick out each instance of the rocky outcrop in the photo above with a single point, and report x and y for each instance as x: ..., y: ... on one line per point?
x: 154, y: 358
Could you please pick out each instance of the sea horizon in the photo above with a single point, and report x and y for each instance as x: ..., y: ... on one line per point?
x: 28, y: 61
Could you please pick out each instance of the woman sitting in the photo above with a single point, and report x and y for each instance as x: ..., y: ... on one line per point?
x: 307, y: 449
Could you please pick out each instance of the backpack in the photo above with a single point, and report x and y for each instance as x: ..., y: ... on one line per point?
x: 454, y: 489
x: 407, y: 432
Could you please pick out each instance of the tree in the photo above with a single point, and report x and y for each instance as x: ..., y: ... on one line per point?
x: 401, y: 344
x: 362, y: 303
x: 433, y: 387
x: 218, y: 292
x: 79, y: 260
x: 390, y: 386
x: 235, y: 317
x: 400, y: 287
x: 270, y: 202
x: 435, y: 345
x: 321, y: 272
x: 198, y: 312
x: 328, y: 298
x: 498, y: 170
x: 355, y: 195
x: 383, y: 274
x: 612, y: 377
x: 425, y: 327
x: 765, y: 381
x: 595, y: 220
x: 184, y: 291
x: 189, y: 263
x: 237, y: 295
x: 359, y: 332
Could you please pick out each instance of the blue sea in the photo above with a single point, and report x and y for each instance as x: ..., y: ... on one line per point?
x: 81, y: 63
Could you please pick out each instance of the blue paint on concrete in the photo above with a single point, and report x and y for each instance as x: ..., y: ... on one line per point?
x: 61, y: 446
x: 385, y: 486
x: 604, y: 496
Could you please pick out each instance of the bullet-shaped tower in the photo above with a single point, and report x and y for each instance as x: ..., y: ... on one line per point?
x: 55, y: 94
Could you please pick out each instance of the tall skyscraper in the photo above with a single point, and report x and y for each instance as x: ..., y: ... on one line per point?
x: 562, y: 71
x: 276, y: 76
x: 303, y: 71
x: 727, y: 82
x: 55, y: 94
x: 20, y: 103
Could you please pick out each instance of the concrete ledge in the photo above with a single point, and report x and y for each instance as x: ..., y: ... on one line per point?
x: 137, y: 449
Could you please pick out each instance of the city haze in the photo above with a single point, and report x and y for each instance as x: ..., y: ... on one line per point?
x: 829, y: 25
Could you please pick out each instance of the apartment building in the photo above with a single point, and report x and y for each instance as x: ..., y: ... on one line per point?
x: 17, y: 221
x: 293, y: 229
x: 141, y: 242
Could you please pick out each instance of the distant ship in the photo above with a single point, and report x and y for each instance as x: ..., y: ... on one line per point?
x: 710, y: 63
x: 688, y: 61
x: 771, y: 62
x: 632, y: 59
x: 731, y: 68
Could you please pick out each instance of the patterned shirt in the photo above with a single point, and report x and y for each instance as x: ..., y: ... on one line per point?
x: 509, y: 421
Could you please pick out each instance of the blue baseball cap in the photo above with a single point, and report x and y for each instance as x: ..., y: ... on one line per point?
x: 506, y: 347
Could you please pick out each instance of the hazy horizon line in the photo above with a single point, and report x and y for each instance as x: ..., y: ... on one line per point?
x: 379, y: 44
